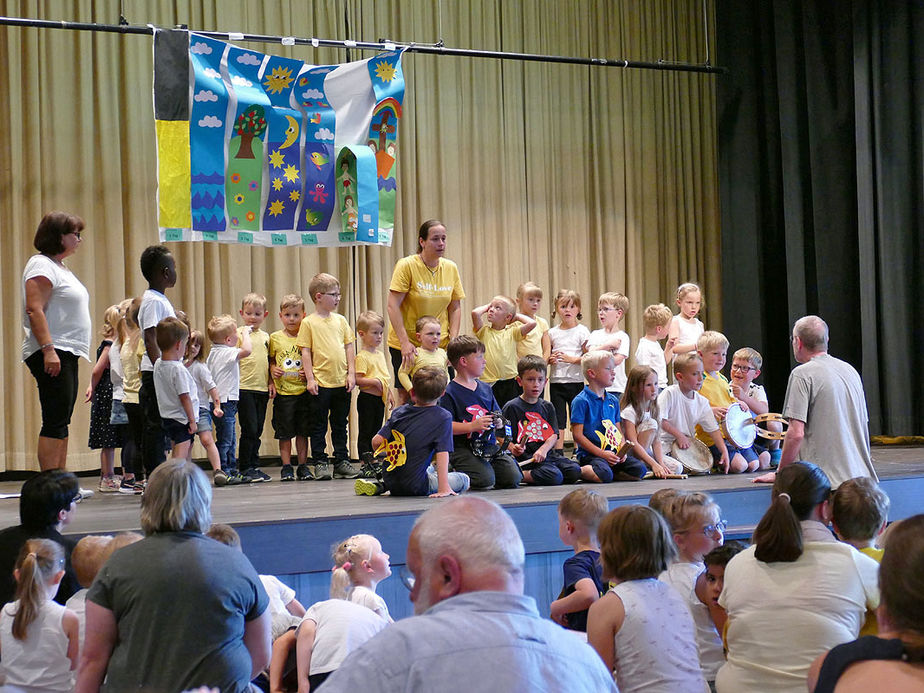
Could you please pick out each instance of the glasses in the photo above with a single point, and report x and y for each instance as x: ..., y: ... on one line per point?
x: 335, y: 294
x: 407, y: 577
x: 736, y: 367
x: 719, y: 527
x: 76, y: 233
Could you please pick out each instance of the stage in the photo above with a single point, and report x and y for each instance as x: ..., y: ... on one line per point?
x: 287, y: 529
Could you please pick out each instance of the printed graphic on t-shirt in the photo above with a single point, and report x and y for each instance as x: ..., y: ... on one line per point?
x: 290, y: 361
x: 476, y: 410
x: 610, y: 437
x: 534, y: 429
x: 395, y: 451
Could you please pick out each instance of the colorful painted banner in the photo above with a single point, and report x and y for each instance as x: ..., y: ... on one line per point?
x: 265, y: 150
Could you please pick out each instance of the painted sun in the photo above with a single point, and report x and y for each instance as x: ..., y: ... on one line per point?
x: 276, y: 208
x: 280, y: 78
x: 276, y: 159
x: 385, y: 71
x: 291, y: 173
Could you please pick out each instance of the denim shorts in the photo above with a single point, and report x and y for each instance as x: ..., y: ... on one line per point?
x: 118, y: 415
x: 204, y: 421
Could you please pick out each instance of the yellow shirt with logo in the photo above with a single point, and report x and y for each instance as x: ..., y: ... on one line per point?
x: 436, y: 358
x: 427, y: 292
x: 372, y: 364
x: 500, y: 352
x: 717, y: 390
x: 327, y: 339
x: 255, y: 368
x: 532, y: 342
x: 284, y: 352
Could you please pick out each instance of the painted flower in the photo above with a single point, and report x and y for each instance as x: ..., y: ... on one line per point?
x: 251, y: 216
x: 252, y: 185
x: 239, y: 198
x: 235, y: 177
x: 235, y: 221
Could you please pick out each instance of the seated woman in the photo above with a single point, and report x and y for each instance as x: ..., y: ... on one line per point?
x: 895, y: 660
x: 795, y: 593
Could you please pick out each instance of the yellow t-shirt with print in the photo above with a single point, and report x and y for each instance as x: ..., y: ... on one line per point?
x: 531, y: 344
x: 436, y: 358
x: 372, y: 364
x: 718, y: 392
x: 871, y: 625
x: 284, y: 352
x: 427, y: 292
x: 255, y: 368
x: 327, y: 339
x: 500, y: 352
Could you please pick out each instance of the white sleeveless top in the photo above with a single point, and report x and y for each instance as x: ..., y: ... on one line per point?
x: 655, y: 613
x: 38, y: 663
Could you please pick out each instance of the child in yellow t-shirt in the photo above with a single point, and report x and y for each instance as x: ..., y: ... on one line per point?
x: 291, y: 404
x: 372, y: 379
x: 428, y: 353
x: 255, y: 388
x: 500, y: 338
x: 328, y: 357
x: 537, y: 342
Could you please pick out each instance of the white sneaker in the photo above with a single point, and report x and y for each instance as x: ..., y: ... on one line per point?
x: 83, y: 493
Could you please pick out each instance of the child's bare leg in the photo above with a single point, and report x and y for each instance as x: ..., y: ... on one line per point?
x: 181, y: 450
x: 107, y: 462
x: 277, y: 668
x: 285, y: 451
x: 737, y: 464
x: 646, y: 437
x: 211, y: 450
x: 588, y: 474
x: 301, y: 449
x: 763, y: 462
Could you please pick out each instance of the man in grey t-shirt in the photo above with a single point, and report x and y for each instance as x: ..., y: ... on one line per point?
x: 826, y: 409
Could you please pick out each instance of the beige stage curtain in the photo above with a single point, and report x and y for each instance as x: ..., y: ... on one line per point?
x: 596, y: 179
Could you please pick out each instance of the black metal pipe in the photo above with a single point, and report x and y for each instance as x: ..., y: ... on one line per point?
x: 380, y: 46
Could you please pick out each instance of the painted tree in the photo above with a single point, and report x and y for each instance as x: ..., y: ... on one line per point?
x: 251, y: 123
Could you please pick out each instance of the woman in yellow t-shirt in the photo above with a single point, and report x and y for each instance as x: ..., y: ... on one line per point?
x: 423, y: 284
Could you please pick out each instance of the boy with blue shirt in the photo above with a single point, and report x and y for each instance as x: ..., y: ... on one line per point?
x: 472, y: 406
x: 416, y: 442
x: 595, y: 424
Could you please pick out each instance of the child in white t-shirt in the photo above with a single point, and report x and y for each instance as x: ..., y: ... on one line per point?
x: 657, y: 318
x: 87, y: 558
x: 641, y: 422
x: 177, y: 396
x: 611, y: 309
x: 568, y: 342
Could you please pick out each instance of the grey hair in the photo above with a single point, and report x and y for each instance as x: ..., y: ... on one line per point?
x: 178, y: 498
x: 478, y: 532
x: 813, y: 332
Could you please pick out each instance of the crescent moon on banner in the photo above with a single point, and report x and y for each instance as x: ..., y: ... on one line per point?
x: 291, y: 132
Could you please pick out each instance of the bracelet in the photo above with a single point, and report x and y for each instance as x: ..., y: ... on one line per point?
x: 45, y: 346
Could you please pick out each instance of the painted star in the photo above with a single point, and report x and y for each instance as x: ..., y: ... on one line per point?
x: 276, y: 208
x: 291, y: 173
x: 277, y: 183
x: 294, y: 195
x: 276, y: 159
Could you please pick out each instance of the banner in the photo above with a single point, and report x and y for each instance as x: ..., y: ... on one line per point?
x: 265, y: 150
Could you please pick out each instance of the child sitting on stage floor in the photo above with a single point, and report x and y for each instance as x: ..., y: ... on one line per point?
x: 641, y: 422
x: 746, y: 363
x: 417, y: 441
x: 579, y: 515
x: 682, y: 408
x: 535, y: 430
x: 594, y: 424
x: 505, y: 327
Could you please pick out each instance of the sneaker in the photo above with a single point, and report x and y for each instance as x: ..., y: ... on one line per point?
x: 235, y: 479
x: 127, y: 486
x: 369, y: 467
x: 306, y: 472
x: 139, y: 486
x: 775, y: 456
x: 343, y: 469
x: 366, y: 487
x: 287, y: 473
x: 219, y: 477
x: 323, y: 471
x: 108, y: 485
x: 255, y: 476
x: 83, y: 494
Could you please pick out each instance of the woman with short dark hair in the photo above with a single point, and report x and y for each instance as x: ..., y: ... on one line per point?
x: 56, y: 319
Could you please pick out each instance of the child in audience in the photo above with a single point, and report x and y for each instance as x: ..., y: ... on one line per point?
x: 39, y: 638
x: 87, y: 558
x: 177, y: 394
x: 223, y: 362
x: 292, y: 403
x: 359, y: 566
x: 207, y: 392
x: 641, y: 422
x: 536, y: 342
x: 500, y: 336
x: 416, y: 442
x: 683, y: 408
x: 697, y: 529
x: 579, y: 516
x: 130, y: 349
x: 255, y: 387
x: 568, y: 342
x: 372, y: 379
x: 103, y: 435
x: 709, y: 589
x: 328, y: 358
x: 859, y: 513
x: 685, y: 327
x: 661, y: 499
x: 159, y: 269
x: 641, y: 628
x: 428, y: 353
x: 649, y: 352
x: 535, y: 430
x: 472, y: 406
x: 746, y: 363
x: 594, y: 425
x: 611, y: 309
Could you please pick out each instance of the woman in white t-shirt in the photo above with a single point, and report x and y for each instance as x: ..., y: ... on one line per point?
x: 795, y: 593
x: 56, y: 320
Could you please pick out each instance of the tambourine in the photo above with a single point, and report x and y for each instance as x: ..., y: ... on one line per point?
x: 775, y: 418
x: 696, y: 459
x: 738, y: 427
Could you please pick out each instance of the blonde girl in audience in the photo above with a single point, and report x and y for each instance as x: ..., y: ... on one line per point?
x: 39, y: 638
x: 130, y: 350
x: 686, y: 327
x: 568, y: 342
x: 641, y: 627
x: 208, y: 392
x: 360, y: 565
x: 641, y: 422
x: 103, y: 435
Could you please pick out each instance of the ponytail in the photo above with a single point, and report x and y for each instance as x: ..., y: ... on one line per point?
x: 38, y: 563
x: 347, y: 556
x: 798, y: 490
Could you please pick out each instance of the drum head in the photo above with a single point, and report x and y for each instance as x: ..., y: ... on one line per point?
x: 739, y: 428
x: 696, y: 459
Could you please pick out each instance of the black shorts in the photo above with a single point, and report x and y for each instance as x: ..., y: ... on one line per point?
x: 290, y: 416
x: 177, y: 431
x: 56, y: 395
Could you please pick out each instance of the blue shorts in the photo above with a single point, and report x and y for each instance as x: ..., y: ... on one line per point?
x: 177, y: 431
x: 204, y: 422
x: 118, y: 415
x: 748, y: 454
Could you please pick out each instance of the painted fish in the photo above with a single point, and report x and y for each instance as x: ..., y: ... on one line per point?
x: 611, y: 438
x: 534, y: 429
x: 319, y: 159
x: 394, y: 450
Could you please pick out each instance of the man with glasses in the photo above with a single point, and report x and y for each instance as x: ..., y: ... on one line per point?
x: 826, y: 409
x: 46, y: 505
x: 474, y: 630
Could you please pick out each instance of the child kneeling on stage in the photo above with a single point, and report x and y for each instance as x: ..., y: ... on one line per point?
x: 417, y: 441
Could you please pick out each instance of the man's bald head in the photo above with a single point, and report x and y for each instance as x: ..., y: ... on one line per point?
x: 812, y: 333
